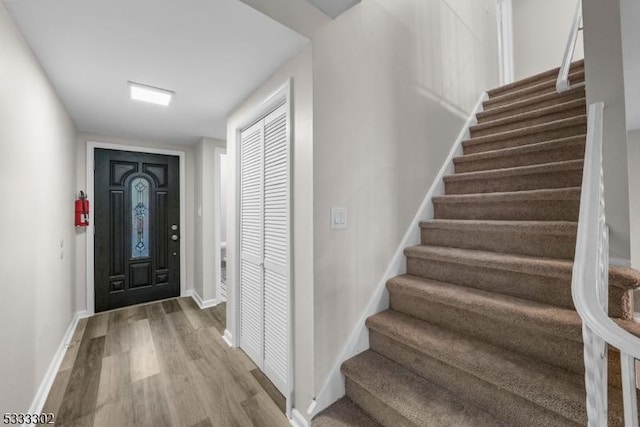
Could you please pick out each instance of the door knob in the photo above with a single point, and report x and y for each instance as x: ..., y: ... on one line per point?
x: 174, y: 237
x: 174, y: 227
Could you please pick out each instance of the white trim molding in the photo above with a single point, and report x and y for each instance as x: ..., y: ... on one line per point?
x: 202, y: 304
x: 504, y: 16
x: 89, y: 234
x: 228, y: 338
x: 297, y: 419
x: 358, y: 341
x: 47, y: 382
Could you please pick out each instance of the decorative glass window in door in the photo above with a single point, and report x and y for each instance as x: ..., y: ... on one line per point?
x: 140, y: 218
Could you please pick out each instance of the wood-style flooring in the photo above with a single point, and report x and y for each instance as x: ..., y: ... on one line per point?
x: 155, y: 365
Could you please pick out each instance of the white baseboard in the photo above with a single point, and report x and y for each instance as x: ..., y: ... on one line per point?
x: 45, y: 386
x: 333, y: 388
x: 199, y: 301
x: 228, y: 338
x: 297, y: 419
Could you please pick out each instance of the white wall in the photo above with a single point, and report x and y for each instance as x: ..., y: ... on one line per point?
x: 392, y: 81
x: 80, y: 162
x: 633, y: 139
x: 605, y: 83
x: 206, y: 256
x: 540, y: 32
x: 300, y: 72
x: 630, y: 16
x: 37, y: 160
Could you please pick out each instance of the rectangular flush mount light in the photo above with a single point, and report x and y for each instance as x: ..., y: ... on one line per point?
x: 151, y: 94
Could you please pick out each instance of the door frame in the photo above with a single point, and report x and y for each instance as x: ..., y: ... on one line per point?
x: 90, y: 233
x: 218, y: 202
x: 251, y: 116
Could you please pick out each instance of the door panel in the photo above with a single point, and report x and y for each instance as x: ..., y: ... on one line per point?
x: 137, y: 200
x: 251, y: 242
x: 264, y: 245
x: 276, y: 247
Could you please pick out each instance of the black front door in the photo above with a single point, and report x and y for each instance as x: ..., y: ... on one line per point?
x: 137, y: 234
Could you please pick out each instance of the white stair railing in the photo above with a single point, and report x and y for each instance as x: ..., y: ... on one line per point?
x: 563, y: 84
x: 590, y: 288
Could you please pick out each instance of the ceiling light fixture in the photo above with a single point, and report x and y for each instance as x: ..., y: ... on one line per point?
x: 150, y: 94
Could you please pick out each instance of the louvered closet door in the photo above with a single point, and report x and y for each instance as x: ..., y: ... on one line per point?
x: 276, y: 247
x: 252, y: 243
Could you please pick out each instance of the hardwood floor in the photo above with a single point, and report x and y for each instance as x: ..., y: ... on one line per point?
x: 161, y: 364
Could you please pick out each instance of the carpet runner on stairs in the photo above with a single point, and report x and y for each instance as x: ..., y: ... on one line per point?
x: 482, y: 330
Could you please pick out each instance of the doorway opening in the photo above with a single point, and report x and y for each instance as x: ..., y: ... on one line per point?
x: 221, y: 222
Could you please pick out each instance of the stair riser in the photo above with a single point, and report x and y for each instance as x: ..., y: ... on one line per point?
x: 547, y: 290
x: 524, y: 210
x: 513, y: 409
x: 511, y: 110
x: 375, y: 407
x: 564, y: 114
x: 551, y: 75
x: 511, y: 242
x: 529, y: 92
x: 559, y: 153
x: 557, y: 351
x: 518, y: 141
x: 538, y: 181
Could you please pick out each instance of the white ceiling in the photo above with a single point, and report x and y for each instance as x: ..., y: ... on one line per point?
x: 333, y: 8
x: 212, y: 53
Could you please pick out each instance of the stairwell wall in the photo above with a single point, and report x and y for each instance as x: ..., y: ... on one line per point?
x: 605, y: 76
x: 540, y: 32
x: 393, y: 82
x: 633, y: 139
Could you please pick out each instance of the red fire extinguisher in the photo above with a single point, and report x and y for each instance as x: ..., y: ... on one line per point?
x: 82, y: 210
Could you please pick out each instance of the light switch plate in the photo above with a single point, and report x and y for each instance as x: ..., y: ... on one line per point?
x: 338, y: 218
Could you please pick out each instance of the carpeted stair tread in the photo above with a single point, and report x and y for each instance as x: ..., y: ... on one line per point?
x: 560, y: 204
x: 404, y: 398
x: 573, y: 126
x: 620, y: 277
x: 545, y: 332
x: 564, y: 174
x: 530, y: 104
x: 344, y: 413
x: 545, y: 75
x: 552, y: 239
x: 569, y: 148
x: 529, y: 118
x: 575, y: 76
x: 519, y: 312
x: 552, y: 388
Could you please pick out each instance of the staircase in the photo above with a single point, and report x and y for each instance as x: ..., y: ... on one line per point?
x: 482, y: 330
